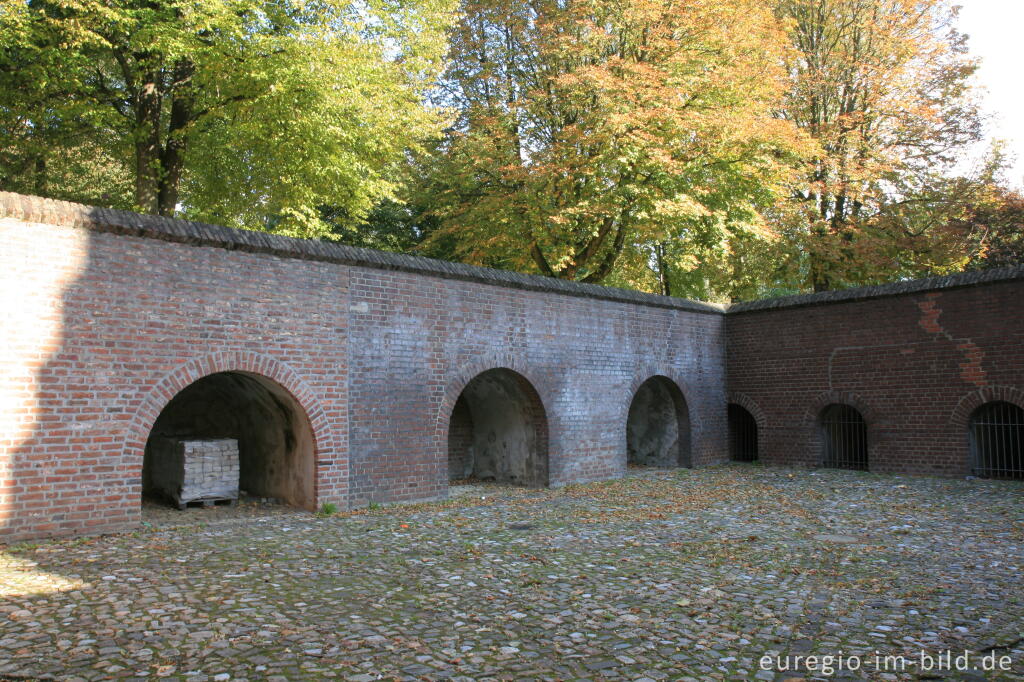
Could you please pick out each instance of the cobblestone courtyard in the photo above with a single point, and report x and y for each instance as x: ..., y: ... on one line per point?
x: 662, y: 575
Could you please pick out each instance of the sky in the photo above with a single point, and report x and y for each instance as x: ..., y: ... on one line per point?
x: 994, y: 30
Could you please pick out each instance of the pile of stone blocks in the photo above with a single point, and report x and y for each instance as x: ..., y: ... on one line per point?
x: 187, y: 471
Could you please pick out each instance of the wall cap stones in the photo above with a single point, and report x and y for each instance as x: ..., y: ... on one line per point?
x: 909, y: 286
x: 67, y: 214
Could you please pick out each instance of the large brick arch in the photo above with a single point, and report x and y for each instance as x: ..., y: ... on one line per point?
x: 458, y: 379
x: 873, y: 417
x: 961, y: 416
x: 646, y: 372
x: 751, y: 406
x: 642, y: 375
x: 159, y: 395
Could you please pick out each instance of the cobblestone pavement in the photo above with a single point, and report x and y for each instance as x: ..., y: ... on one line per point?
x: 662, y: 575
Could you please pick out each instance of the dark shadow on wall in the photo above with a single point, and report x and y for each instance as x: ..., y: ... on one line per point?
x: 460, y: 441
x: 658, y: 425
x: 498, y: 431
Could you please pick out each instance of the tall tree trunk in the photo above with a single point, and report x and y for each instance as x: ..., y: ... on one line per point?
x: 663, y: 266
x: 172, y: 159
x: 604, y: 268
x: 820, y: 279
x: 147, y: 146
x: 40, y: 179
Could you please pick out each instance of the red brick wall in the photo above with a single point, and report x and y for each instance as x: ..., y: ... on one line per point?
x: 129, y: 323
x: 460, y: 440
x: 107, y: 315
x: 915, y: 364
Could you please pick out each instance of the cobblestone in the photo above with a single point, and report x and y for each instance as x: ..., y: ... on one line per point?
x: 689, y: 574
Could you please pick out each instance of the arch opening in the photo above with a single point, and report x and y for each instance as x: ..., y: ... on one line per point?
x: 997, y: 441
x: 497, y: 431
x: 250, y: 434
x: 742, y: 434
x: 844, y: 435
x: 658, y: 425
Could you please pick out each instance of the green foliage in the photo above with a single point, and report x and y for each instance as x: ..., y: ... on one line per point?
x: 250, y: 113
x: 390, y: 226
x: 716, y: 149
x: 589, y: 130
x: 327, y: 509
x: 50, y: 144
x: 884, y: 89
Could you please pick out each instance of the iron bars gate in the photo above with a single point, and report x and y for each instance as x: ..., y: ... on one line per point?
x: 997, y: 441
x: 742, y: 434
x: 845, y: 438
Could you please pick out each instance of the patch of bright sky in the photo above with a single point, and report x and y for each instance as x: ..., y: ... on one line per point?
x: 994, y: 30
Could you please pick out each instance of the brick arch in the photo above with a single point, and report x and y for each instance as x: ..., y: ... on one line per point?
x: 460, y: 378
x: 822, y: 400
x: 159, y: 395
x: 640, y: 377
x: 751, y: 406
x: 649, y: 372
x: 961, y: 415
x: 872, y: 417
x: 458, y: 381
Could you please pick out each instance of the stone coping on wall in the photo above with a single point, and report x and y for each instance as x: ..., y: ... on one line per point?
x: 910, y: 286
x: 63, y: 213
x: 51, y: 211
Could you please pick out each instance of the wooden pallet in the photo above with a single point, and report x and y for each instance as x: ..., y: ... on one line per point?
x: 206, y: 503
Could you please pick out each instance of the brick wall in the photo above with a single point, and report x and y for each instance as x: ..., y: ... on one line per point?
x: 419, y: 342
x: 127, y: 323
x: 108, y: 315
x: 460, y: 440
x: 914, y: 358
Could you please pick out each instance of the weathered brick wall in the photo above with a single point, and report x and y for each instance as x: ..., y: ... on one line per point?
x: 460, y: 440
x: 914, y: 358
x: 107, y: 315
x: 415, y: 343
x: 127, y: 323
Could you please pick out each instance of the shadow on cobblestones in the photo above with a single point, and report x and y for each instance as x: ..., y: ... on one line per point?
x: 686, y: 574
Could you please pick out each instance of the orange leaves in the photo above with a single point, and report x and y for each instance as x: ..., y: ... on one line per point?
x: 584, y: 125
x: 882, y: 87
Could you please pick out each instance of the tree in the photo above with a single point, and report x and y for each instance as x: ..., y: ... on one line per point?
x: 49, y: 145
x: 391, y: 226
x: 883, y: 87
x: 589, y: 129
x: 994, y: 231
x: 252, y: 113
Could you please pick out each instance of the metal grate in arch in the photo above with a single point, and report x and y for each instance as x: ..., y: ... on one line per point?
x: 844, y: 436
x: 997, y: 441
x: 742, y: 434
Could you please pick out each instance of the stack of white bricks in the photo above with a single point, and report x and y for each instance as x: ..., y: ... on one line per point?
x: 210, y: 470
x: 197, y: 470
